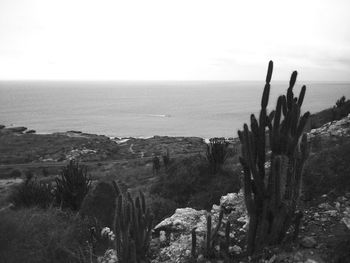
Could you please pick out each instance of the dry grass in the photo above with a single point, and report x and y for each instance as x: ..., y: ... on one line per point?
x: 36, y: 235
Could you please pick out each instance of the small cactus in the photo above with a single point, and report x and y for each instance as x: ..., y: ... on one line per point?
x: 132, y: 227
x: 217, y: 152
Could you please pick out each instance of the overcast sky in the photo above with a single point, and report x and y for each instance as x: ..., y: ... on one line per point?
x: 174, y: 40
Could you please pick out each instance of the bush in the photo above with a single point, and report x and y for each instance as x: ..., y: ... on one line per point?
x: 34, y: 235
x: 72, y: 186
x: 341, y: 108
x: 16, y: 174
x: 340, y: 103
x: 328, y: 171
x: 32, y: 193
x: 226, y: 180
x: 182, y: 179
x: 189, y: 181
x: 161, y: 207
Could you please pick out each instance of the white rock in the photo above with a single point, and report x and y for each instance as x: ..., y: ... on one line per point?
x: 235, y: 249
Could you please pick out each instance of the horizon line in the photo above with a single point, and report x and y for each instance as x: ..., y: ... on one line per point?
x: 163, y: 80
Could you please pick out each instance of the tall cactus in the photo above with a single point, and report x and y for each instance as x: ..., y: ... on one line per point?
x: 132, y: 228
x: 271, y: 196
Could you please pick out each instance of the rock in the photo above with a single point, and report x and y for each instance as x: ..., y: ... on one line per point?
x: 181, y: 223
x: 308, y: 242
x: 200, y: 257
x: 309, y: 260
x: 298, y: 257
x: 183, y: 220
x: 17, y: 129
x: 346, y: 218
x: 235, y: 249
x: 162, y: 237
x: 177, y: 250
x: 110, y: 256
x: 7, y: 208
x: 2, y: 126
x: 332, y: 213
x: 339, y: 128
x: 30, y: 131
x: 233, y: 201
x: 100, y: 204
x: 325, y: 206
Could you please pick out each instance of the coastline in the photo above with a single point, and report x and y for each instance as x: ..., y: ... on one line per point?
x: 20, y: 147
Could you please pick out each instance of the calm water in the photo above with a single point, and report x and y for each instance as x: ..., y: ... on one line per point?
x: 122, y: 109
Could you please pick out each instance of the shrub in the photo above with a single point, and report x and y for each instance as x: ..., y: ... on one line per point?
x: 328, y: 171
x: 35, y: 235
x: 29, y: 175
x: 189, y: 181
x: 182, y: 179
x: 341, y: 108
x: 227, y: 180
x: 340, y: 102
x: 161, y: 207
x: 32, y: 193
x: 72, y: 186
x: 16, y: 174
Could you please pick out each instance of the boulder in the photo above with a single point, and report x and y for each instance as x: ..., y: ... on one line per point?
x: 339, y: 128
x: 17, y: 129
x: 183, y: 220
x: 346, y: 218
x: 233, y: 204
x: 177, y: 246
x: 308, y: 242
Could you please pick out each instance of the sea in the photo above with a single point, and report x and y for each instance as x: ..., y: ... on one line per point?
x: 143, y: 109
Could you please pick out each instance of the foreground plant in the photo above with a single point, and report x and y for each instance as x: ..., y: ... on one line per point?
x: 271, y: 195
x: 130, y: 235
x: 32, y: 193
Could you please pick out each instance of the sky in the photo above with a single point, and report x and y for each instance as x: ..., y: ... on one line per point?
x: 174, y: 40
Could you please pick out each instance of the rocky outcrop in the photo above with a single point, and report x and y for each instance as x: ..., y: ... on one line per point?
x: 174, y: 241
x: 339, y: 128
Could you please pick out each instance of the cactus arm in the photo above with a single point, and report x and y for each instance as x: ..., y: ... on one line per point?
x: 250, y: 156
x: 301, y: 95
x: 208, y: 236
x: 194, y: 243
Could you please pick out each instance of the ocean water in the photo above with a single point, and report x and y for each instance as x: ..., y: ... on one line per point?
x: 142, y: 109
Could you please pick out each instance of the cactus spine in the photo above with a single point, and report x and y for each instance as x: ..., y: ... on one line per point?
x: 271, y: 196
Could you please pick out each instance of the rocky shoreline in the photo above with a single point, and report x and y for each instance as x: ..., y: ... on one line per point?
x: 63, y: 146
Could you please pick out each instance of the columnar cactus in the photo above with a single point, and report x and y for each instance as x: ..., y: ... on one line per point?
x: 217, y: 152
x: 132, y: 228
x: 271, y: 196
